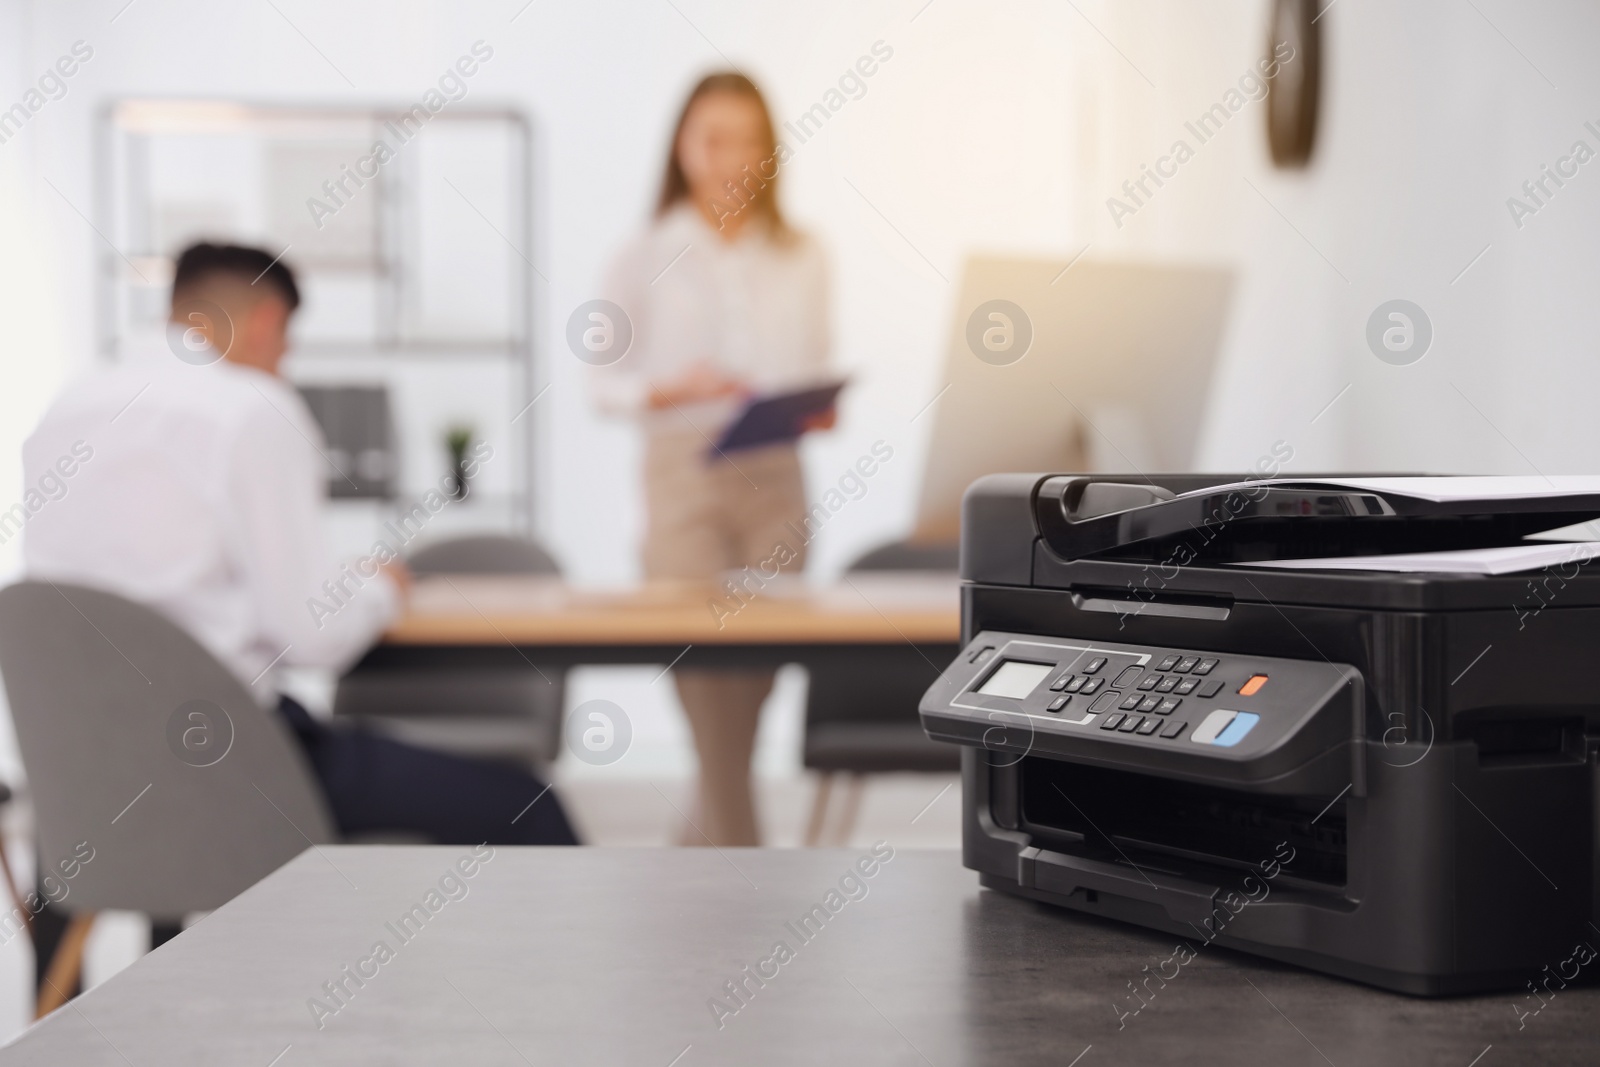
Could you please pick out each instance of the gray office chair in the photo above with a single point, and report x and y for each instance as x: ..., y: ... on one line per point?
x: 503, y: 712
x: 156, y: 779
x: 861, y: 707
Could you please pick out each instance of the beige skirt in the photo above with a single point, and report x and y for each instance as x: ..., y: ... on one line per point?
x: 706, y: 517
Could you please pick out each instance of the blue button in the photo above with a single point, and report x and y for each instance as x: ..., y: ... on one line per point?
x: 1242, y: 724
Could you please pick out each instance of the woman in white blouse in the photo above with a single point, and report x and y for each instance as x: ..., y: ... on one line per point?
x: 725, y: 300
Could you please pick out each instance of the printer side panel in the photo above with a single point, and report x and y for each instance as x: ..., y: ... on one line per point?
x: 1518, y: 693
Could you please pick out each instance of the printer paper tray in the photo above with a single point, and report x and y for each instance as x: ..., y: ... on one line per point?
x: 1056, y: 872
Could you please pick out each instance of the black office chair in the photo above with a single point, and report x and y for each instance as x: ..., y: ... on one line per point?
x: 508, y: 712
x: 861, y: 709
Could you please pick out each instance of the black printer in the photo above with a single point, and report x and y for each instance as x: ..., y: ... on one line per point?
x: 1385, y: 776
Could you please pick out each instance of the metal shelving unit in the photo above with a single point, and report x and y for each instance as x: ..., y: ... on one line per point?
x: 419, y: 279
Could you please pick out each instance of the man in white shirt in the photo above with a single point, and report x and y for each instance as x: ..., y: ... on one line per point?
x: 197, y: 487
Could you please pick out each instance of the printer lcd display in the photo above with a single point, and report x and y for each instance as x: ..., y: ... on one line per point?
x: 1015, y: 679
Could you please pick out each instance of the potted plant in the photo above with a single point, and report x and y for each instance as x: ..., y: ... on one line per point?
x: 458, y: 439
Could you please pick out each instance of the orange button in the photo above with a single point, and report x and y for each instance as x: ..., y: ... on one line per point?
x: 1253, y: 686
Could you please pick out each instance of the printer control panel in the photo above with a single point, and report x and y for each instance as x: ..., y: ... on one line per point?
x: 1008, y: 690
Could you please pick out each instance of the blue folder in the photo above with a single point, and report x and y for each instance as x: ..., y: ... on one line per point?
x: 769, y: 420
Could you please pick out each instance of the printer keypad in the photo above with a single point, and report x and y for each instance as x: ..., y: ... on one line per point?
x: 1125, y: 696
x: 1148, y: 699
x: 1143, y: 710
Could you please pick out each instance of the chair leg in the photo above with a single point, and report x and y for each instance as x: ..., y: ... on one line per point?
x: 66, y: 966
x: 819, y: 809
x: 855, y: 785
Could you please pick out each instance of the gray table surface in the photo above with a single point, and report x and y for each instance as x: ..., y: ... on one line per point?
x: 612, y: 956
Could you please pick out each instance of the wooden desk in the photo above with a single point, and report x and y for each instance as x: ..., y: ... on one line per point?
x: 611, y: 956
x: 550, y: 621
x: 883, y: 608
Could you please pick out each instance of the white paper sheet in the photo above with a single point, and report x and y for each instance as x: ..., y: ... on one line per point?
x: 1443, y: 489
x: 1485, y: 561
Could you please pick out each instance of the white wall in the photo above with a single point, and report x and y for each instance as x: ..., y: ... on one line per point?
x: 994, y: 128
x: 32, y: 353
x: 971, y: 94
x: 1436, y: 113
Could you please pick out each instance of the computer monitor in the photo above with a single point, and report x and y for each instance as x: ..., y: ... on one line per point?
x: 1070, y: 366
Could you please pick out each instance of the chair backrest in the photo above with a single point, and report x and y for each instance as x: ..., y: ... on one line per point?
x: 909, y: 556
x: 145, y: 753
x: 484, y: 554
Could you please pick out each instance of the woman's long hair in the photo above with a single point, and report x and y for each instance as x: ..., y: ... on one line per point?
x: 674, y: 184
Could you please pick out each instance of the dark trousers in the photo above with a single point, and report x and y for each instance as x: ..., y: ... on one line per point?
x: 375, y: 785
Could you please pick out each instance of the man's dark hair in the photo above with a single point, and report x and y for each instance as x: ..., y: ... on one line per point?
x: 200, y: 263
